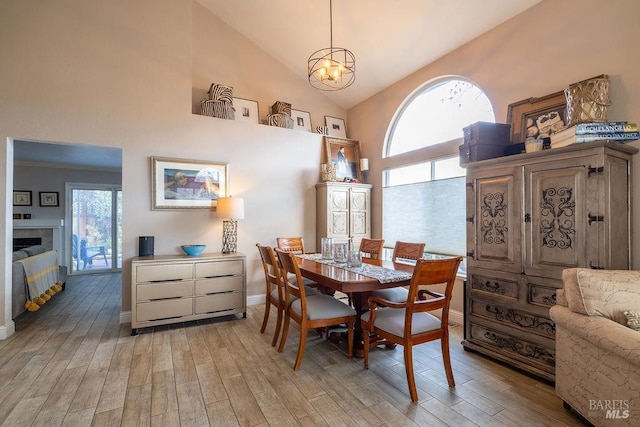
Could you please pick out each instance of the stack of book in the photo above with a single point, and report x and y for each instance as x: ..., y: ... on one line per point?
x: 587, y: 132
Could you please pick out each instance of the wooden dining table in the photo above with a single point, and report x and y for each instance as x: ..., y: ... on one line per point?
x: 358, y: 286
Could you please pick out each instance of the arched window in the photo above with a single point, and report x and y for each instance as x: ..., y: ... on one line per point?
x: 424, y: 189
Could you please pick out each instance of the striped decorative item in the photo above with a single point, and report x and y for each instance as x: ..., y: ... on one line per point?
x: 281, y: 108
x: 322, y: 130
x: 218, y: 92
x: 280, y: 120
x: 219, y: 109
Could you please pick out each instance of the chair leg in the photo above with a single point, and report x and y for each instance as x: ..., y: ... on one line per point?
x: 267, y: 309
x: 301, y: 345
x: 365, y: 337
x: 285, y: 332
x: 276, y: 333
x: 447, y: 360
x: 408, y: 366
x: 350, y: 325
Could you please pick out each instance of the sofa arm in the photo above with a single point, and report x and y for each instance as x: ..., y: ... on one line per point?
x: 601, y: 332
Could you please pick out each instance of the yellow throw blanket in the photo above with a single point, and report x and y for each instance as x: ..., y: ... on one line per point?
x: 41, y: 271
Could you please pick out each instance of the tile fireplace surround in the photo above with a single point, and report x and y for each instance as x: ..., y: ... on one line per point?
x: 49, y: 230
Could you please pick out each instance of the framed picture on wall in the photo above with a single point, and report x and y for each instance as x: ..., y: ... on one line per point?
x: 21, y: 198
x: 301, y: 120
x: 49, y: 198
x: 335, y: 127
x: 345, y: 155
x: 246, y: 110
x: 187, y: 184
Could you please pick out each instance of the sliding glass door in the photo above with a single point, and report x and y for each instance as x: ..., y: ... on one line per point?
x: 94, y: 213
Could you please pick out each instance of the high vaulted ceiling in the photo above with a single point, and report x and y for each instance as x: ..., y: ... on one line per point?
x: 390, y: 39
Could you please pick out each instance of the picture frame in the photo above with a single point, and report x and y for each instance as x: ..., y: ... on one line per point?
x: 345, y: 154
x: 246, y: 110
x: 21, y: 198
x: 335, y: 127
x: 187, y: 184
x: 537, y: 117
x: 49, y: 198
x: 301, y: 120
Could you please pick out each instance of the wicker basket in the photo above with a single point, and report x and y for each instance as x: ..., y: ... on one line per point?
x: 327, y: 172
x: 587, y: 101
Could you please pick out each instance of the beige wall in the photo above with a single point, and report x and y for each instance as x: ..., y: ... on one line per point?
x: 123, y: 74
x: 539, y: 52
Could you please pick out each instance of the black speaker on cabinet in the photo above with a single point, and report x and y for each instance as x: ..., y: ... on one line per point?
x: 145, y: 246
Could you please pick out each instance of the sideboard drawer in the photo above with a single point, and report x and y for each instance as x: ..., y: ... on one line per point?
x: 219, y: 268
x: 164, y: 309
x: 162, y: 290
x: 163, y: 272
x: 219, y: 284
x: 219, y: 302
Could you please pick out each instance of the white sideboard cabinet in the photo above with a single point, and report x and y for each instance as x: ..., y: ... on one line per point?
x: 343, y: 212
x: 174, y: 288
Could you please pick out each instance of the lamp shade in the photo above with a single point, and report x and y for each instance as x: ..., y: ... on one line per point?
x: 230, y: 207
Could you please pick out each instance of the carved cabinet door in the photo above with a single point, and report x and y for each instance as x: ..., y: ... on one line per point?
x: 359, y: 218
x: 338, y: 221
x: 560, y: 197
x: 494, y: 207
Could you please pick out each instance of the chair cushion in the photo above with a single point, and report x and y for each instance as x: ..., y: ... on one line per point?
x: 392, y: 321
x: 398, y: 294
x: 323, y: 307
x: 608, y: 293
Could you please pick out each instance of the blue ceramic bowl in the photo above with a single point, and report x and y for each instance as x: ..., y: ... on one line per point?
x: 193, y: 250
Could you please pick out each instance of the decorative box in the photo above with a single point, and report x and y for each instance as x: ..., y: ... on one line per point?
x: 484, y: 140
x: 218, y: 92
x: 280, y: 120
x: 281, y: 108
x: 487, y: 133
x: 219, y: 109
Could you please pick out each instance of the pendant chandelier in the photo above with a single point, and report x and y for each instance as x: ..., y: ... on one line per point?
x: 332, y: 68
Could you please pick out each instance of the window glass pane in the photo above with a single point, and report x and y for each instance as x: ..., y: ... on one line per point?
x: 409, y: 174
x: 448, y: 168
x: 438, y: 114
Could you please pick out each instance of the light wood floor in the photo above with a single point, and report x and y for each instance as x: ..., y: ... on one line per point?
x: 71, y: 363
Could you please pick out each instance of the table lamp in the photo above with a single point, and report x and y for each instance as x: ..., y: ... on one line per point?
x: 230, y: 209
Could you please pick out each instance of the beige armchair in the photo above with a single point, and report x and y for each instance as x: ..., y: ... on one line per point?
x: 597, y: 355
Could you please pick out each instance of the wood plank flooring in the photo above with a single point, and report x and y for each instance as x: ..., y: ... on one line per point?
x: 72, y: 364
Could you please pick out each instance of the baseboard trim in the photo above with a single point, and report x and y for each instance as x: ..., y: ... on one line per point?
x: 125, y: 317
x: 7, y: 330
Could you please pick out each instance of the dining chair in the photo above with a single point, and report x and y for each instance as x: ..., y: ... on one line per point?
x: 291, y: 244
x: 401, y: 251
x: 296, y: 246
x: 310, y: 311
x: 274, y: 289
x: 372, y: 248
x: 409, y: 323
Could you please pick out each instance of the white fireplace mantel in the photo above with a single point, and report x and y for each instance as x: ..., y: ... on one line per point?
x: 38, y: 223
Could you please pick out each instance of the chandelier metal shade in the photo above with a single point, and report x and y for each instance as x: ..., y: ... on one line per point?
x: 332, y: 68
